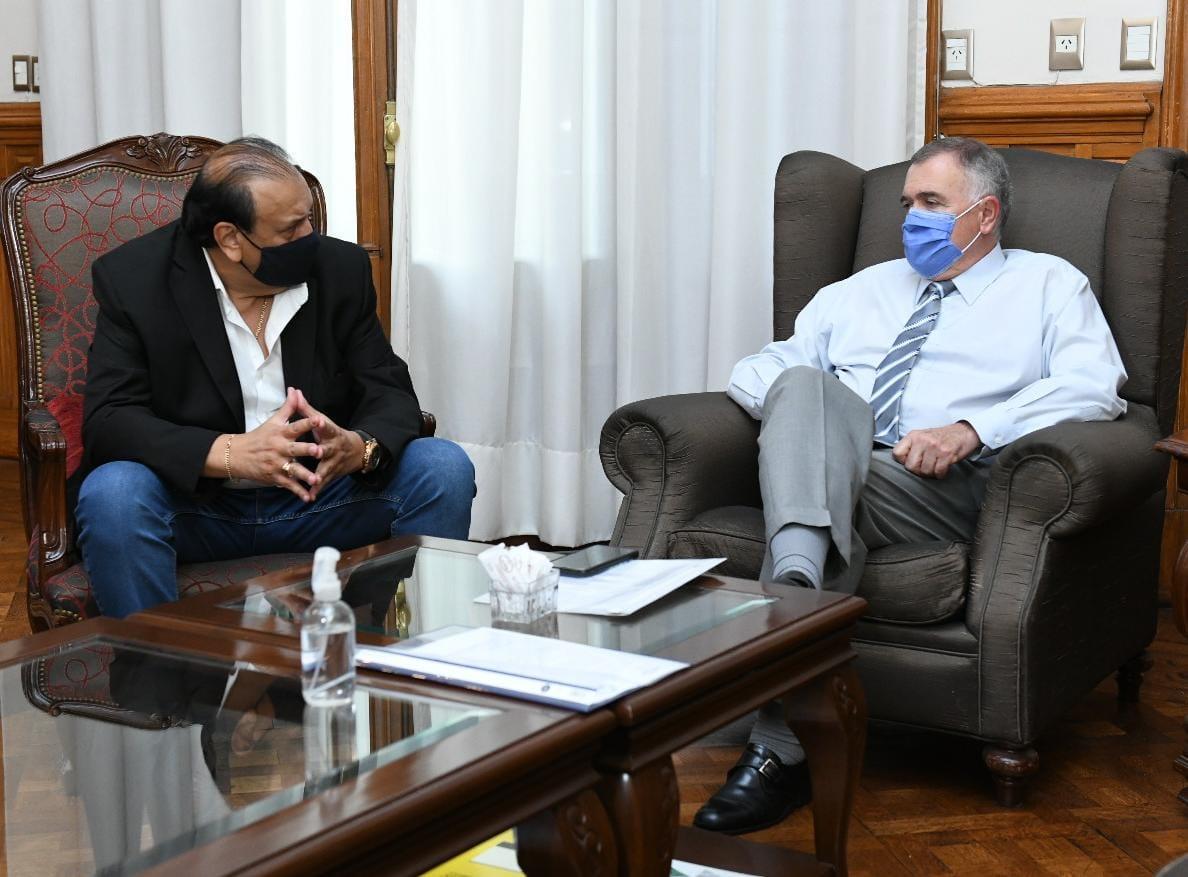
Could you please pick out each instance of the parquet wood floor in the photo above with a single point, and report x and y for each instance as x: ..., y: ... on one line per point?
x: 1104, y: 801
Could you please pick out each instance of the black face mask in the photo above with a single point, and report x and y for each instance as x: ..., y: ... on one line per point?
x: 285, y: 264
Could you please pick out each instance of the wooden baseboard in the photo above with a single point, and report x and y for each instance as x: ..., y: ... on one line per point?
x: 1101, y: 120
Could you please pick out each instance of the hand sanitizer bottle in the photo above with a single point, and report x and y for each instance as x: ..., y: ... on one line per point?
x: 327, y: 638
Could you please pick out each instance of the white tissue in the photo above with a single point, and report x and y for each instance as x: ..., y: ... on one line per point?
x: 515, y: 568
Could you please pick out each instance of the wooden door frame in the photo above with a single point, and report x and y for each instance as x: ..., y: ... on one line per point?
x: 932, y: 72
x: 1175, y: 76
x: 373, y: 24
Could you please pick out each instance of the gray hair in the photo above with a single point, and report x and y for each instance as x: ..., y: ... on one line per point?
x: 985, y: 170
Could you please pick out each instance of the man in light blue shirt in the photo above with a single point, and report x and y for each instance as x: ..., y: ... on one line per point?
x: 882, y: 413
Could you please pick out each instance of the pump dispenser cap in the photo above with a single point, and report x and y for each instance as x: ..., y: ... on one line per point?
x: 326, y: 585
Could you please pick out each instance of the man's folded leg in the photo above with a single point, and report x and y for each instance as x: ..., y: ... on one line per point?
x: 814, y: 455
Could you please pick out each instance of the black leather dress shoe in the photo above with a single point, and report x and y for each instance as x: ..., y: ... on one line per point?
x: 760, y: 791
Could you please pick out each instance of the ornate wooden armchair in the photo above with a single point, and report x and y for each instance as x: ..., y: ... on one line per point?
x: 55, y: 221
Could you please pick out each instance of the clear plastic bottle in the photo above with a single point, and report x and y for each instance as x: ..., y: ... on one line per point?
x: 331, y: 745
x: 327, y: 638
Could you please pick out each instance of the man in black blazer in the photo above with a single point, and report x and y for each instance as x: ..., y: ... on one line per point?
x: 241, y: 396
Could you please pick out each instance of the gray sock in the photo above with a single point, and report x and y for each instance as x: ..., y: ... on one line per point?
x: 798, y: 555
x: 771, y: 730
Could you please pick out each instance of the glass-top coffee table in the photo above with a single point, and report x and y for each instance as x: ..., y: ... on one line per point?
x: 744, y: 643
x: 415, y: 588
x: 128, y: 748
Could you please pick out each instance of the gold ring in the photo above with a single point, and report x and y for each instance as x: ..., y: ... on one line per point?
x: 286, y: 469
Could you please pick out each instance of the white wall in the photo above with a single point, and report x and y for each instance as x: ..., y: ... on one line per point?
x: 1011, y: 39
x: 18, y: 36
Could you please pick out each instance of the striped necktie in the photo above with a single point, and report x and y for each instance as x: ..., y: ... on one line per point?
x: 896, y: 367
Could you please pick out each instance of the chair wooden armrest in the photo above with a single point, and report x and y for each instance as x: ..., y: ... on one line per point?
x: 428, y: 425
x: 1175, y: 444
x: 44, y: 486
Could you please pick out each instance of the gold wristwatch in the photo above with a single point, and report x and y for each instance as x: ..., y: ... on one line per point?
x: 371, y: 456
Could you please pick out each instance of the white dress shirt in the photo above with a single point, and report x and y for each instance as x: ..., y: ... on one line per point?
x: 1021, y: 344
x: 261, y: 378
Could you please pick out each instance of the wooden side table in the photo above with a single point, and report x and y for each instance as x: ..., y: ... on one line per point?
x: 1174, y: 554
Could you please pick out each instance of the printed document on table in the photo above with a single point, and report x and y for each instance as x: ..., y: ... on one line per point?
x: 521, y: 665
x: 626, y: 587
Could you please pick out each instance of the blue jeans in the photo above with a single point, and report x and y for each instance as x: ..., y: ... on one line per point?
x: 134, y: 529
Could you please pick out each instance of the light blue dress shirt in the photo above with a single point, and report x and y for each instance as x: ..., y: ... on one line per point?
x: 1020, y: 345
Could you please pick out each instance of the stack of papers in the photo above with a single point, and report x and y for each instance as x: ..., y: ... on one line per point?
x: 626, y: 587
x: 520, y: 665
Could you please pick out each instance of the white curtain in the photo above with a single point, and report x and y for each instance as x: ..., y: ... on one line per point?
x: 584, y: 210
x: 278, y: 68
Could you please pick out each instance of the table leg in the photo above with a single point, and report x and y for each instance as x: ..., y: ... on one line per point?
x: 572, y: 839
x: 829, y: 717
x: 644, y: 808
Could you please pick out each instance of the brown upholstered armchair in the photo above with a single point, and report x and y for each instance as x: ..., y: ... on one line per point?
x: 56, y: 220
x: 991, y: 640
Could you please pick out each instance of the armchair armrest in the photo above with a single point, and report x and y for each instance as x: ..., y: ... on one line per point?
x: 674, y: 457
x: 1062, y: 583
x: 1070, y: 477
x: 1175, y: 444
x: 44, y: 482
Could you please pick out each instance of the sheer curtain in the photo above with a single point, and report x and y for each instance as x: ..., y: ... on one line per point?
x: 278, y: 68
x: 583, y: 210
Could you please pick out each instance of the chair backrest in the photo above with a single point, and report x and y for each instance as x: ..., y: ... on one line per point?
x: 1124, y: 226
x: 56, y: 220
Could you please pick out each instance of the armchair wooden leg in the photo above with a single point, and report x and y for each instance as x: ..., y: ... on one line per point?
x: 1130, y: 676
x: 1011, y: 767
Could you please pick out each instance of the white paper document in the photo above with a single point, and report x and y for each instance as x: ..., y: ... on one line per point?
x: 521, y: 665
x: 626, y: 587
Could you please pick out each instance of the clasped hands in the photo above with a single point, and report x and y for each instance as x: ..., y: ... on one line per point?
x: 270, y: 453
x: 930, y: 453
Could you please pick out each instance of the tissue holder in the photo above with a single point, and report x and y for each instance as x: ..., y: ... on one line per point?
x: 522, y: 607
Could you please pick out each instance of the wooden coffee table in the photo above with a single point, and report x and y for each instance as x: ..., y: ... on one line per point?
x: 745, y: 644
x: 129, y: 746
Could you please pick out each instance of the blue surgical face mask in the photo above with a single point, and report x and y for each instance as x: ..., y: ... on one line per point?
x: 928, y: 240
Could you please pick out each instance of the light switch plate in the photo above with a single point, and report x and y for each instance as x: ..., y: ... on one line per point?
x: 1066, y: 44
x: 20, y: 73
x: 1138, y: 44
x: 957, y: 54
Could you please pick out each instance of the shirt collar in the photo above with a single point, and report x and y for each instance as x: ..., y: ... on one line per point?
x: 284, y: 304
x: 974, y: 280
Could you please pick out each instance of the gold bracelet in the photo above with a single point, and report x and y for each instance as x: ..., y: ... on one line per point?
x: 227, y: 458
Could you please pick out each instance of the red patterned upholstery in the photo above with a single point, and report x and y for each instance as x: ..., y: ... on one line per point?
x: 78, y: 682
x: 66, y: 224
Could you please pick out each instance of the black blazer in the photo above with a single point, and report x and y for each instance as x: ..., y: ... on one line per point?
x: 161, y: 381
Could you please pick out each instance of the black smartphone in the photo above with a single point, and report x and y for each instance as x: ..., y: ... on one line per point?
x: 594, y: 559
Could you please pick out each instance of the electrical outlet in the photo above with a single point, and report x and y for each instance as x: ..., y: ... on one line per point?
x: 1066, y: 44
x: 1138, y: 44
x: 957, y: 54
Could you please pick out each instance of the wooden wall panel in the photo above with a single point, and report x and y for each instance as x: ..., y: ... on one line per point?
x: 1107, y: 120
x: 20, y: 145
